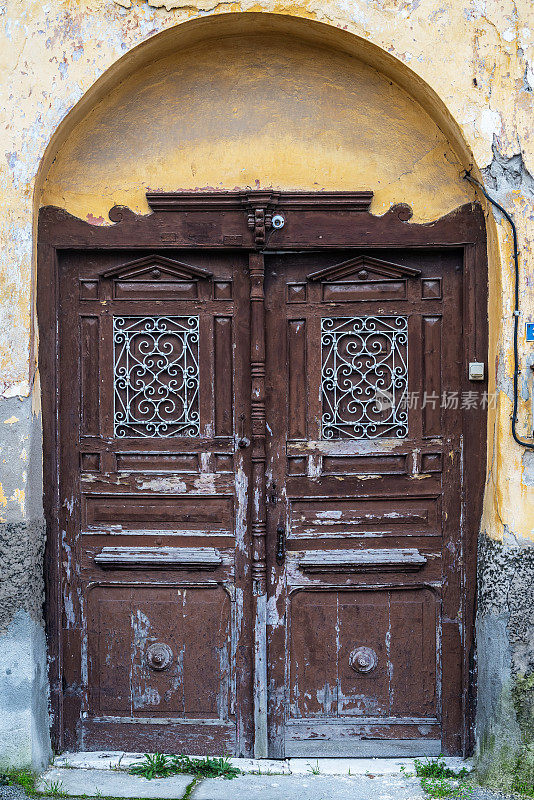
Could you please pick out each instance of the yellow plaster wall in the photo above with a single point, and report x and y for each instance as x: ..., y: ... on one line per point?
x: 463, y: 82
x: 256, y: 111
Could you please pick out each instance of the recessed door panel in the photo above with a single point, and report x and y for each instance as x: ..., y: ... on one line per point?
x: 160, y: 652
x: 363, y: 653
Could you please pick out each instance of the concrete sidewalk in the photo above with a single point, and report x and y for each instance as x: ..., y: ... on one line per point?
x: 105, y: 775
x: 264, y: 787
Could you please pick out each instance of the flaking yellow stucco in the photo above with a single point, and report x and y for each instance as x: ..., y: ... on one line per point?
x: 275, y: 111
x: 105, y: 99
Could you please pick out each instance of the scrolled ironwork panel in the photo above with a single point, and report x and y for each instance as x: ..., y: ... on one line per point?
x: 364, y: 377
x: 156, y: 376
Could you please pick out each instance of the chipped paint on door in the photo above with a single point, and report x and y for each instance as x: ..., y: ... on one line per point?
x: 250, y: 562
x: 367, y: 597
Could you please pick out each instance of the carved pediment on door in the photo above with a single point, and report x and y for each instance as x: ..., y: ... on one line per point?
x: 153, y: 277
x: 363, y: 278
x: 363, y: 268
x: 156, y: 268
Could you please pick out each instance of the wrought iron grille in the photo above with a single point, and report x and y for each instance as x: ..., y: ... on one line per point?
x: 364, y: 377
x: 156, y: 376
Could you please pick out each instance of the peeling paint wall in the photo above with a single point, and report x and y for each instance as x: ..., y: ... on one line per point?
x: 24, y: 737
x: 22, y: 542
x: 169, y: 126
x: 104, y: 99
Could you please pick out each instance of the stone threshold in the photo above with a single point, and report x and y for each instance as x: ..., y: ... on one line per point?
x: 116, y: 760
x: 104, y: 775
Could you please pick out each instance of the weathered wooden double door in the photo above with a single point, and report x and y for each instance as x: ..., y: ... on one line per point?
x: 260, y: 534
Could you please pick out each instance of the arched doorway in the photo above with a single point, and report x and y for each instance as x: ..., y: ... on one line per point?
x: 266, y: 509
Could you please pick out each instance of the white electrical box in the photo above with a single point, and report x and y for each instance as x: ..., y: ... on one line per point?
x: 476, y: 371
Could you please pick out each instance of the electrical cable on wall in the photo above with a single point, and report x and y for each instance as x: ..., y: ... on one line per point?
x: 468, y: 177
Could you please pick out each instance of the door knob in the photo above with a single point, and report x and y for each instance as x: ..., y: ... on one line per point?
x: 363, y: 660
x: 159, y: 656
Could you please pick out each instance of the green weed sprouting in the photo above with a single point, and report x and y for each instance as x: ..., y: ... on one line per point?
x: 54, y: 789
x: 437, y: 768
x: 27, y: 780
x: 158, y: 765
x: 19, y: 777
x: 446, y: 787
x: 438, y: 780
x: 154, y: 765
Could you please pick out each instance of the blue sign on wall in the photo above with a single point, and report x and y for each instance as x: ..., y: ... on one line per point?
x: 530, y: 331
